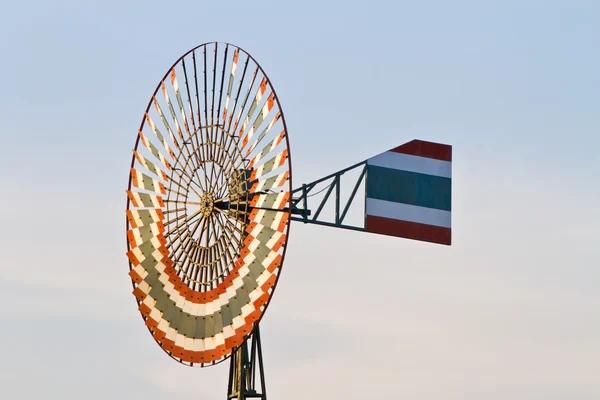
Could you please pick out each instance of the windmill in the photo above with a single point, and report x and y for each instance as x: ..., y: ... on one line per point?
x: 210, y: 202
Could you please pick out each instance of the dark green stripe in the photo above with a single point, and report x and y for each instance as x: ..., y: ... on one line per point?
x: 409, y: 188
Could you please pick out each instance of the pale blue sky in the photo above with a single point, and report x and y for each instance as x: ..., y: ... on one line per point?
x: 511, y: 310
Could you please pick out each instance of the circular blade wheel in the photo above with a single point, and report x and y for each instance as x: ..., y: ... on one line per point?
x: 208, y: 206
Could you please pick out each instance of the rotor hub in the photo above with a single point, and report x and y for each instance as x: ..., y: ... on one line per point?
x: 207, y: 204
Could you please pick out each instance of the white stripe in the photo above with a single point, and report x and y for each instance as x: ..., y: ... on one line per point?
x: 140, y: 271
x: 410, y: 213
x: 238, y: 322
x: 228, y: 331
x: 155, y: 315
x: 280, y: 200
x: 406, y: 162
x: 219, y: 339
x: 277, y: 220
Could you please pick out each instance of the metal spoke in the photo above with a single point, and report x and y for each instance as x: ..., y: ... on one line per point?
x: 227, y: 231
x: 186, y: 223
x: 190, y: 179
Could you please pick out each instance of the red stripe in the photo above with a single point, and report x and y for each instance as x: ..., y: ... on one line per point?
x: 409, y: 230
x: 426, y: 149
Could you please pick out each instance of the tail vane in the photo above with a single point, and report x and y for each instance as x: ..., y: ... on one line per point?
x: 409, y: 192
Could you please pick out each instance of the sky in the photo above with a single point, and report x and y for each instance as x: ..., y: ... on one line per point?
x: 510, y: 310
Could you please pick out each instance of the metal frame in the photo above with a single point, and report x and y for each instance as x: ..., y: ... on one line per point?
x: 301, y: 212
x: 243, y: 368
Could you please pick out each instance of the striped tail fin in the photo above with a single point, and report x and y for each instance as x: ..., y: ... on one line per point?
x: 409, y: 192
